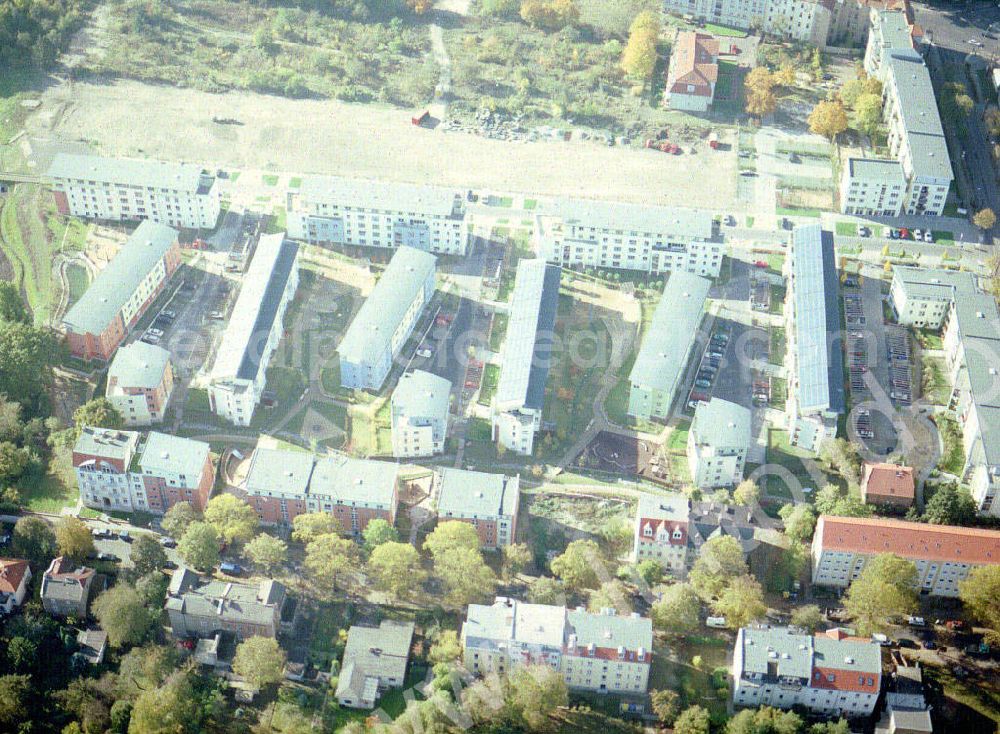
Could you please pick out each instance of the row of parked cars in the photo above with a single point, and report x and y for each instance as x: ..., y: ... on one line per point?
x: 918, y: 235
x: 162, y: 321
x: 709, y: 368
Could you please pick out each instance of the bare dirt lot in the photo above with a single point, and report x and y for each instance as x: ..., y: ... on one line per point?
x: 127, y: 118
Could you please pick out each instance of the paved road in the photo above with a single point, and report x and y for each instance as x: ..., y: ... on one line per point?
x: 951, y: 25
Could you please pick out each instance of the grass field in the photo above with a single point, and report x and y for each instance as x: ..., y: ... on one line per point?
x: 78, y: 280
x: 847, y: 229
x: 953, y: 459
x: 491, y: 378
x: 782, y: 453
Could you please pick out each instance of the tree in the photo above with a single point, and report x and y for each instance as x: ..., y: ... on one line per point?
x: 233, y: 519
x: 266, y: 552
x: 828, y: 118
x: 199, y: 547
x: 500, y: 8
x: 666, y: 705
x: 147, y: 554
x: 693, y: 720
x: 516, y: 558
x: 395, y: 568
x: 678, y: 611
x: 550, y: 15
x: 311, y: 525
x: 33, y: 539
x: 379, y: 531
x: 14, y: 693
x: 121, y: 712
x: 760, y: 98
x: 851, y: 92
x: 785, y: 76
x: 578, y: 564
x: 980, y: 593
x: 420, y: 6
x: 612, y: 594
x: 122, y: 614
x: 809, y: 617
x: 22, y: 654
x: 950, y: 505
x: 984, y: 219
x: 152, y: 589
x: 327, y: 557
x: 747, y: 493
x: 832, y: 500
x: 720, y: 559
x: 260, y: 661
x: 546, y: 590
x: 26, y: 358
x: 868, y: 114
x: 765, y: 720
x: 992, y: 120
x: 451, y: 535
x: 884, y: 589
x: 639, y: 56
x: 168, y: 709
x: 464, y: 574
x: 11, y: 304
x: 446, y: 648
x: 97, y: 413
x: 800, y: 522
x: 176, y: 520
x: 13, y: 461
x: 741, y: 602
x: 534, y: 693
x: 650, y: 571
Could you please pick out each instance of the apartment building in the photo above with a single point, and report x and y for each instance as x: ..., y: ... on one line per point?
x: 374, y: 661
x: 692, y: 73
x: 386, y: 319
x: 604, y: 652
x: 943, y: 554
x: 120, y: 294
x: 890, y: 31
x: 419, y: 413
x: 202, y: 608
x: 971, y: 336
x: 15, y: 575
x: 140, y: 383
x: 255, y: 328
x: 488, y: 502
x: 580, y: 233
x: 828, y: 673
x: 872, y: 187
x: 889, y: 486
x: 120, y: 189
x: 718, y: 442
x: 516, y: 408
x: 66, y: 588
x: 812, y: 325
x: 660, y: 366
x: 128, y: 472
x: 281, y: 484
x: 331, y: 210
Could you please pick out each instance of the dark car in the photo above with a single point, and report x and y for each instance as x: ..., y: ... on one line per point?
x: 907, y: 644
x: 125, y: 536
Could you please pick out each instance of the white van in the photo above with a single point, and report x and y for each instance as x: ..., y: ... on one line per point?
x: 716, y: 622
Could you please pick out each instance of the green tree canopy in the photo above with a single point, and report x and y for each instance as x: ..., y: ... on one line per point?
x: 97, y: 413
x: 808, y: 617
x: 33, y: 540
x: 147, y: 554
x: 465, y: 575
x: 666, y: 705
x: 328, y: 557
x: 15, y: 691
x: 450, y: 535
x: 26, y: 358
x: 233, y: 519
x: 720, y: 559
x: 123, y: 615
x: 266, y: 552
x: 693, y: 720
x: 176, y: 520
x: 678, y: 612
x: 980, y: 593
x: 885, y: 589
x: 741, y: 602
x: 379, y: 531
x: 11, y: 304
x: 746, y: 493
x: 313, y: 524
x: 172, y: 708
x: 577, y: 565
x: 199, y: 547
x: 260, y: 661
x: 950, y: 505
x: 395, y: 568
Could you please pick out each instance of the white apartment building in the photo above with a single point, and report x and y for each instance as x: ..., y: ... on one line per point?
x: 140, y: 383
x: 516, y: 409
x: 812, y: 323
x: 971, y: 336
x: 890, y: 31
x: 661, y: 532
x: 718, y: 442
x: 943, y: 554
x: 332, y: 210
x: 102, y: 459
x: 872, y: 187
x: 604, y: 652
x: 419, y: 409
x: 255, y: 326
x: 580, y: 233
x: 829, y: 673
x: 386, y: 319
x: 120, y: 189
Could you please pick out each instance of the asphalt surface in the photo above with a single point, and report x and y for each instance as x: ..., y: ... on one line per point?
x: 952, y: 25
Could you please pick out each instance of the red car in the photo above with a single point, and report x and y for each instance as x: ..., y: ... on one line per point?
x: 760, y: 264
x: 904, y: 233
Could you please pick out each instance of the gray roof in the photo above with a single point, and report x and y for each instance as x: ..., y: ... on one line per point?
x: 475, y: 494
x: 110, y: 443
x: 817, y: 320
x: 279, y: 470
x: 510, y: 620
x: 354, y: 480
x: 92, y: 643
x: 930, y: 156
x: 374, y: 652
x: 609, y: 630
x: 139, y: 365
x: 527, y: 351
x: 919, y: 114
x: 112, y: 288
x: 932, y: 284
x: 674, y: 506
x: 386, y: 196
x: 164, y: 454
x: 370, y: 333
x: 711, y: 520
x: 670, y: 334
x: 256, y: 308
x: 694, y: 224
x: 795, y: 655
x: 129, y: 171
x: 877, y: 169
x: 231, y: 601
x: 894, y: 30
x: 720, y: 423
x: 421, y: 394
x: 911, y: 721
x: 64, y: 581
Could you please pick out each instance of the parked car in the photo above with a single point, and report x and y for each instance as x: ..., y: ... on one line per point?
x: 918, y: 234
x: 425, y: 353
x: 716, y: 622
x: 928, y: 236
x: 907, y: 644
x: 231, y: 569
x: 956, y: 625
x: 916, y: 621
x: 793, y: 158
x: 880, y: 639
x: 893, y: 234
x: 703, y: 384
x: 125, y: 536
x: 110, y: 557
x: 150, y: 339
x: 155, y: 332
x: 167, y: 542
x: 904, y: 233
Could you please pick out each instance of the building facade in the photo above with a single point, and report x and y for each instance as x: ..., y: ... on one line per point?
x: 943, y: 554
x: 419, y: 410
x: 829, y: 673
x: 15, y: 575
x: 889, y: 486
x: 331, y: 210
x: 872, y: 187
x: 605, y: 652
x: 374, y: 661
x: 693, y: 72
x: 577, y: 233
x: 202, y: 608
x: 660, y: 366
x: 386, y: 319
x: 718, y: 442
x: 120, y: 294
x: 121, y: 189
x: 488, y: 502
x: 66, y: 588
x: 140, y: 383
x: 661, y: 532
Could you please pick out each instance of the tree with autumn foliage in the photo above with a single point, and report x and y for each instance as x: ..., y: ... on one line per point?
x: 639, y: 56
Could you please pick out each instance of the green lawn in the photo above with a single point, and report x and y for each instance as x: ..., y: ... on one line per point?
x: 491, y: 378
x: 330, y: 378
x: 530, y: 204
x: 779, y: 392
x: 677, y: 443
x: 721, y: 30
x: 775, y: 261
x: 295, y: 182
x: 270, y: 179
x: 49, y: 489
x: 943, y: 237
x: 497, y: 331
x: 727, y: 75
x: 782, y: 453
x: 797, y: 212
x: 929, y: 339
x: 934, y: 384
x: 953, y: 459
x: 847, y: 229
x: 777, y: 347
x: 76, y: 276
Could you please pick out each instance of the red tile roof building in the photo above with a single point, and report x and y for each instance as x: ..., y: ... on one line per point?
x: 693, y: 72
x: 14, y: 577
x: 943, y: 554
x: 888, y: 485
